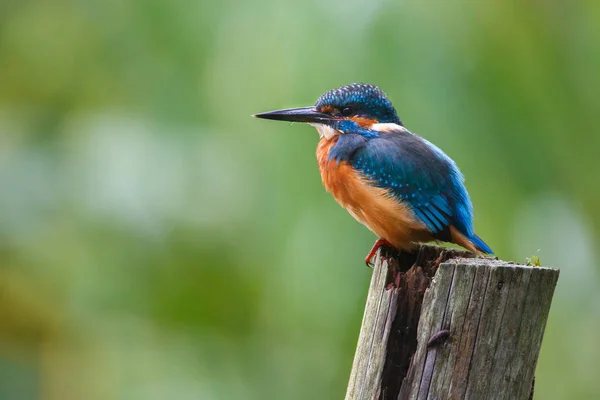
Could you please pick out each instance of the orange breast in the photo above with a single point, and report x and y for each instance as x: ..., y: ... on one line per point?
x: 372, y: 206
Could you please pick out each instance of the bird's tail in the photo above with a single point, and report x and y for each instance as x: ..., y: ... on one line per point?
x: 481, y: 245
x: 472, y: 242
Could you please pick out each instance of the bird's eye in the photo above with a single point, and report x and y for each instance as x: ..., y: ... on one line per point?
x: 347, y: 111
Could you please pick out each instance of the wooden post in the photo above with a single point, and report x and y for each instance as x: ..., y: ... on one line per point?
x: 440, y: 324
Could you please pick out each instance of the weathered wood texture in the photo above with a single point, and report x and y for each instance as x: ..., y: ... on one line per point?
x: 486, y: 319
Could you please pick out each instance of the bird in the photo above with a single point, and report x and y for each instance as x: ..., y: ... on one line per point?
x: 399, y: 185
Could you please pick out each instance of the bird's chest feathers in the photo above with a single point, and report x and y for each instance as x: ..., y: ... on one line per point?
x: 338, y: 176
x: 348, y: 187
x: 367, y: 203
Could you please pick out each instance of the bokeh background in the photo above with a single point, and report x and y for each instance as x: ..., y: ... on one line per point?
x: 157, y: 242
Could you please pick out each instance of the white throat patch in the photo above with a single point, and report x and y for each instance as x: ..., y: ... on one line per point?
x: 326, y: 131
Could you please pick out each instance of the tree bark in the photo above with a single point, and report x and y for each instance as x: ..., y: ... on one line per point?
x: 440, y: 325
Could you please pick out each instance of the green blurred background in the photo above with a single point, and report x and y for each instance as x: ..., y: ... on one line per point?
x: 156, y: 242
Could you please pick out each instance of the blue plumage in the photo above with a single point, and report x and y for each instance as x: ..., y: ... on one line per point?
x: 366, y: 99
x: 413, y: 170
x: 359, y: 127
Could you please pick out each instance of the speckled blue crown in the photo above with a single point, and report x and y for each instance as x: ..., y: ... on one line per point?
x: 368, y: 101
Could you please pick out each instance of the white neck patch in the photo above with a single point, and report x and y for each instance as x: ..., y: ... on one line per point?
x: 388, y: 127
x: 325, y: 131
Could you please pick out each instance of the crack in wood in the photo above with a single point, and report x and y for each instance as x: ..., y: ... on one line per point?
x: 495, y: 313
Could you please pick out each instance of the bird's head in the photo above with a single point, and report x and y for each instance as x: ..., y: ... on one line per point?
x: 357, y: 108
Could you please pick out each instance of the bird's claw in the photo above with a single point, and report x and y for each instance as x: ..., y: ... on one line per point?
x: 380, y: 242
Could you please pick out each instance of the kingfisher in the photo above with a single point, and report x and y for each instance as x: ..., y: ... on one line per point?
x: 402, y: 187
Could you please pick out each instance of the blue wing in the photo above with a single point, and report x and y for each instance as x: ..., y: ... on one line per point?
x: 421, y: 175
x: 417, y: 173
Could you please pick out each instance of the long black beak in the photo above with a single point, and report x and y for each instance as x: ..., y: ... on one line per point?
x: 302, y: 114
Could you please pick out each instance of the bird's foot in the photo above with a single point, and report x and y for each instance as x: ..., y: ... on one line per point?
x: 378, y: 244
